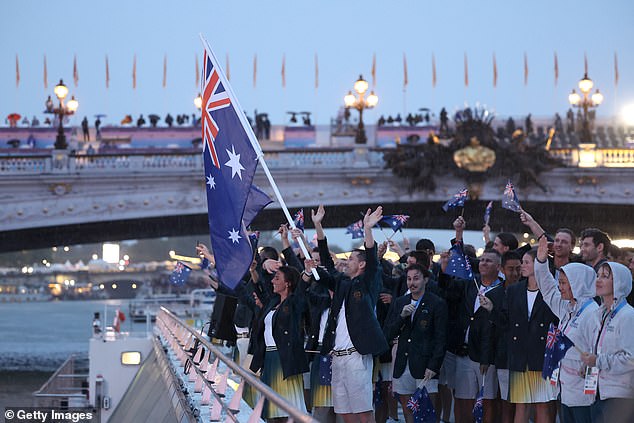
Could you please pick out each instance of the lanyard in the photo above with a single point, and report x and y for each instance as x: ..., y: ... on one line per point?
x: 606, y: 320
x: 583, y: 307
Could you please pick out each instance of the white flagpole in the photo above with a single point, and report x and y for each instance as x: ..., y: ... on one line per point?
x: 256, y: 146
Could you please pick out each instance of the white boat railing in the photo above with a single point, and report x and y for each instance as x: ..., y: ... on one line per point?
x: 205, y: 362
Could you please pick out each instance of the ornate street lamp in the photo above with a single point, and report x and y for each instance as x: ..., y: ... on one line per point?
x: 360, y: 102
x: 61, y: 92
x: 585, y: 103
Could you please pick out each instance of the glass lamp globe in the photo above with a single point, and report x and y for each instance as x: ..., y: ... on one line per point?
x: 72, y: 104
x: 597, y: 98
x: 61, y: 90
x: 349, y: 99
x: 586, y: 84
x: 361, y: 85
x: 198, y: 101
x: 372, y: 100
x: 574, y: 98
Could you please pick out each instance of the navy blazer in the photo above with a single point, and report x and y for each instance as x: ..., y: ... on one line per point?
x: 422, y: 338
x: 525, y: 337
x: 288, y: 332
x: 360, y: 295
x: 461, y: 294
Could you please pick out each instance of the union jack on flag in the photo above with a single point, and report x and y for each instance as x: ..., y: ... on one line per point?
x: 355, y: 229
x: 457, y: 200
x: 509, y: 198
x: 214, y: 98
x: 396, y: 221
x: 552, y: 336
x: 298, y: 219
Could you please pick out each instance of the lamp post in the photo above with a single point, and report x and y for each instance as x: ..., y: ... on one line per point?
x: 360, y: 102
x: 585, y: 103
x: 61, y: 91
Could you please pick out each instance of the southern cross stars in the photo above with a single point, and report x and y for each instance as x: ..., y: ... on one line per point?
x: 234, y: 163
x: 211, y: 182
x: 234, y: 236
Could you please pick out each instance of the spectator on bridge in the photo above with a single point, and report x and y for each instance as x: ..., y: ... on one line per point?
x: 528, y: 123
x: 84, y: 129
x: 595, y: 245
x: 169, y: 120
x: 444, y: 122
x: 35, y: 122
x: 98, y: 128
x: 610, y: 334
x: 419, y: 320
x: 353, y: 334
x: 140, y: 121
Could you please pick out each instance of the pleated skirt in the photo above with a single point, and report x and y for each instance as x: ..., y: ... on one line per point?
x: 291, y: 388
x: 530, y: 388
x: 321, y: 395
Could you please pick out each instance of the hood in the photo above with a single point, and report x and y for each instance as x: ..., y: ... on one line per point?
x: 622, y: 280
x: 582, y: 280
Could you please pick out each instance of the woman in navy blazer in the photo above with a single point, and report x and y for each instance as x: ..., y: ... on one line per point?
x: 527, y: 318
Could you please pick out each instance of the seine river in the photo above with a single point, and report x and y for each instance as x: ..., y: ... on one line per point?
x: 41, y: 335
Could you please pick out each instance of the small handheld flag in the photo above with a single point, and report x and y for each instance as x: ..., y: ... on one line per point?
x: 355, y: 229
x: 299, y: 219
x: 180, y: 275
x: 457, y: 200
x: 395, y: 221
x: 557, y: 344
x: 509, y: 198
x: 487, y: 213
x: 478, y: 408
x: 421, y: 406
x: 459, y: 265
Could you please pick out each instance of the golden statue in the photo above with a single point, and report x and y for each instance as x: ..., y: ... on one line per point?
x: 474, y: 157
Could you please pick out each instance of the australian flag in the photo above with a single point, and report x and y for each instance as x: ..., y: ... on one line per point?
x: 459, y: 265
x: 421, y: 406
x: 230, y: 162
x: 557, y: 344
x: 256, y: 201
x: 205, y: 263
x: 457, y: 200
x: 509, y: 198
x: 487, y: 213
x: 180, y: 275
x: 478, y: 407
x: 395, y: 221
x: 298, y: 219
x: 355, y: 229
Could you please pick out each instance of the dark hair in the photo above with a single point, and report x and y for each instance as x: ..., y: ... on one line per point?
x: 598, y: 237
x: 419, y: 268
x: 508, y: 240
x: 291, y: 275
x: 573, y: 237
x: 469, y: 251
x: 425, y: 244
x: 488, y: 245
x: 510, y: 255
x: 494, y: 252
x: 615, y: 251
x: 532, y: 252
x: 362, y: 254
x: 269, y: 253
x: 420, y: 257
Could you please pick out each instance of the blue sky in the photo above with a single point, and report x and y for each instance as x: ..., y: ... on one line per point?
x: 344, y: 34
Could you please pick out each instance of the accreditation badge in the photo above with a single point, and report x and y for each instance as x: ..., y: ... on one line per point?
x: 591, y: 381
x: 554, y: 378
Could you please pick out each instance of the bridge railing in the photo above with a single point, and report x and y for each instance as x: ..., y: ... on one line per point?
x: 208, y: 373
x: 186, y: 161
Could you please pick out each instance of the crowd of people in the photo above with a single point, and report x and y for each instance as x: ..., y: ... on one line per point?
x: 361, y: 338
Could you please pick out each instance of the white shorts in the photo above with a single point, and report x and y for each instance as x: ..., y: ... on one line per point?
x: 406, y: 384
x: 469, y: 380
x: 503, y: 381
x: 448, y: 371
x: 352, y: 383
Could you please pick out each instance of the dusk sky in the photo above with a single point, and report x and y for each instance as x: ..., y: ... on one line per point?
x: 343, y: 34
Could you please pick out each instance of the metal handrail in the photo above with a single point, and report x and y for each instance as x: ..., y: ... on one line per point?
x: 246, y: 376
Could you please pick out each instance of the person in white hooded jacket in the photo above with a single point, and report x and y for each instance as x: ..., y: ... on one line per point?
x: 610, y: 335
x: 571, y: 300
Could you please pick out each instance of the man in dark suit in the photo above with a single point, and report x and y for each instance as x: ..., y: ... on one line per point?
x: 419, y: 320
x: 353, y: 334
x: 473, y: 338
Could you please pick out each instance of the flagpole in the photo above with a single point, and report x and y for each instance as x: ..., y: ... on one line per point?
x: 258, y: 149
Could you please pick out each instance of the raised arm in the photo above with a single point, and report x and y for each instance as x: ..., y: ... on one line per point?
x: 535, y: 227
x: 546, y: 282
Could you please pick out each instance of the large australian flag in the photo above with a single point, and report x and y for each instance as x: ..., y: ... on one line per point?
x: 230, y: 162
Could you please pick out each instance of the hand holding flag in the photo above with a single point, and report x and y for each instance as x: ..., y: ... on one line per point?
x: 459, y: 265
x: 355, y: 229
x: 487, y: 213
x: 421, y: 406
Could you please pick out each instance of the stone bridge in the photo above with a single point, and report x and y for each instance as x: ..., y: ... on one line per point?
x: 57, y: 198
